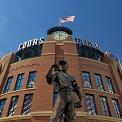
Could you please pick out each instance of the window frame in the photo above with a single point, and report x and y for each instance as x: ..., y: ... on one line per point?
x: 30, y: 103
x: 118, y: 115
x: 90, y: 82
x: 99, y: 80
x: 32, y: 85
x: 104, y: 105
x: 110, y: 85
x: 13, y: 105
x: 94, y: 104
x: 19, y: 82
x: 8, y: 84
x: 2, y: 106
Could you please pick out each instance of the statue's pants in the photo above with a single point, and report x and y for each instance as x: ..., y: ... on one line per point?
x: 65, y: 104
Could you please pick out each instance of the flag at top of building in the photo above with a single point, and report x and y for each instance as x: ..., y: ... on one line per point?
x: 66, y: 19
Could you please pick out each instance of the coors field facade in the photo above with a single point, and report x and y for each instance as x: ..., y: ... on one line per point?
x: 25, y: 95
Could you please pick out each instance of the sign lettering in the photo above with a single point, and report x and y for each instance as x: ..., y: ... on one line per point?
x: 30, y: 43
x: 87, y: 43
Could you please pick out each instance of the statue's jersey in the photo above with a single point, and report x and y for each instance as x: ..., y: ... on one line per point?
x: 62, y: 80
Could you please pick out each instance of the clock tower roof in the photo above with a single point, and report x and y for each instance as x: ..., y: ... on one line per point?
x: 59, y: 28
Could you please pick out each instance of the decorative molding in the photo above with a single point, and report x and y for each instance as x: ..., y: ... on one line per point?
x: 20, y: 67
x: 95, y: 66
x: 49, y: 41
x: 93, y: 60
x: 73, y: 42
x: 28, y: 89
x: 43, y: 54
x: 48, y: 113
x: 103, y: 92
x: 71, y: 54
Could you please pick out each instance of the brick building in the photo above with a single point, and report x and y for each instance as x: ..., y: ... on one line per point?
x: 25, y: 95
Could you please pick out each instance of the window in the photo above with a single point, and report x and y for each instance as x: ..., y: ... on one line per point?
x: 116, y: 107
x: 31, y: 80
x: 86, y: 78
x: 13, y: 106
x: 104, y: 104
x: 90, y: 104
x: 2, y: 105
x: 110, y: 85
x: 27, y: 104
x: 18, y: 85
x: 8, y: 84
x: 99, y: 82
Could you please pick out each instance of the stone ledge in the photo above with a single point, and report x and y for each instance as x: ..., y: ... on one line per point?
x: 48, y: 113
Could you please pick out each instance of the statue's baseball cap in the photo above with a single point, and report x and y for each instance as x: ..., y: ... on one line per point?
x: 62, y: 62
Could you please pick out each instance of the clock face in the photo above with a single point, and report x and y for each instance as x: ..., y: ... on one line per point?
x: 59, y: 35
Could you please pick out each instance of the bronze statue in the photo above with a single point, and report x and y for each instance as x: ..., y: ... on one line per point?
x: 65, y: 85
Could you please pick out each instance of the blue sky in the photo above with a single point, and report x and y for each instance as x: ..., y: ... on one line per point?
x: 99, y: 21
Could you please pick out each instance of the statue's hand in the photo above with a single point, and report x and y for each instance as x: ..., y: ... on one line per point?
x: 55, y: 66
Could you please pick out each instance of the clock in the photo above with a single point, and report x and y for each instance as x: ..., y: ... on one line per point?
x: 59, y: 35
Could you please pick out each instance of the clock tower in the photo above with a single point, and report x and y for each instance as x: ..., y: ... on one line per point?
x: 60, y: 46
x: 59, y: 34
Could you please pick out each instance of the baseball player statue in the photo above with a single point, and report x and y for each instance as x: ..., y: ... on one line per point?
x: 66, y: 86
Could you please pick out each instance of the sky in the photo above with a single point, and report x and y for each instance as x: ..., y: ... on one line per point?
x: 99, y: 21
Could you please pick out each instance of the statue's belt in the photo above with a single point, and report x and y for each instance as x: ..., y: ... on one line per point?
x: 66, y: 89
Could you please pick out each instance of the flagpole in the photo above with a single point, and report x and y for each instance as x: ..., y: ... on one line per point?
x: 59, y: 24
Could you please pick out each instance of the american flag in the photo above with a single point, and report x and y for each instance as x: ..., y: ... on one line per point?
x: 67, y: 19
